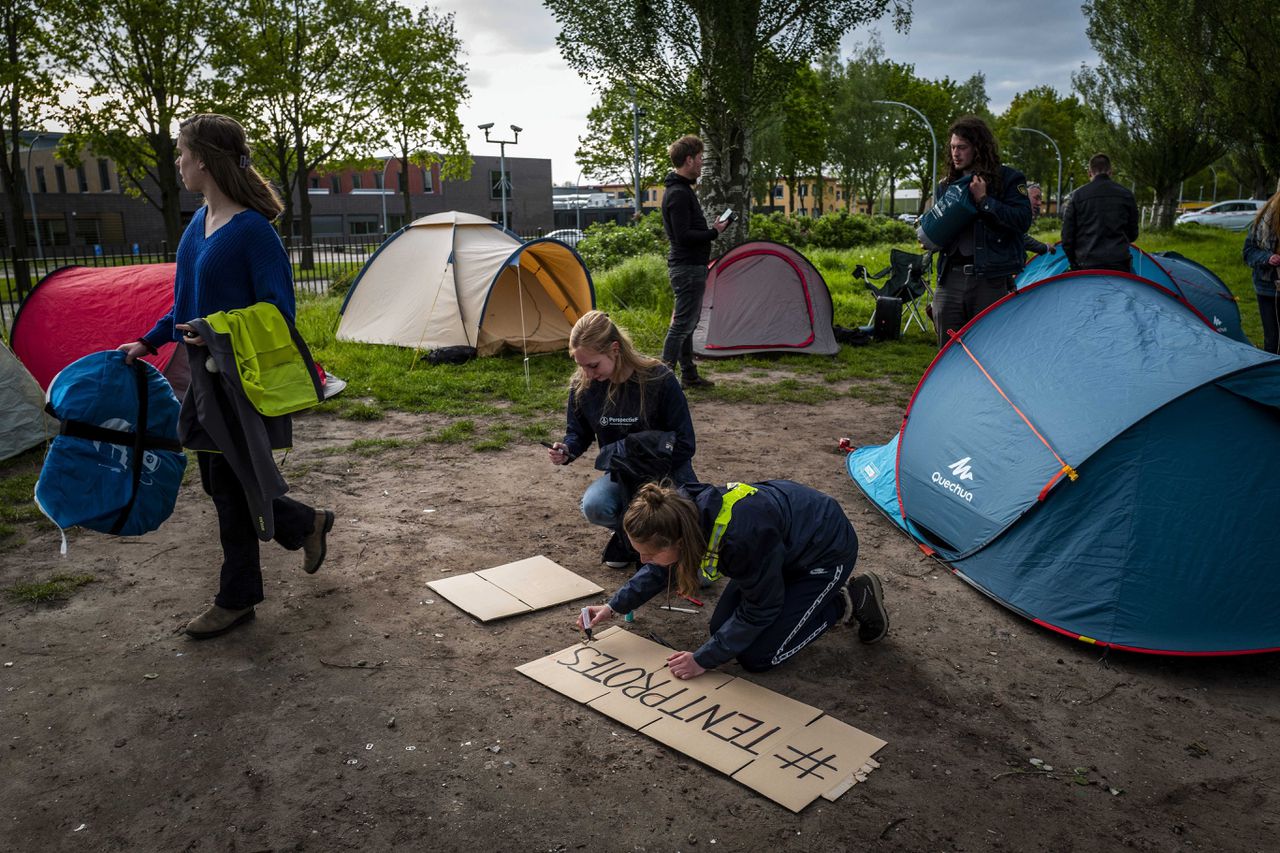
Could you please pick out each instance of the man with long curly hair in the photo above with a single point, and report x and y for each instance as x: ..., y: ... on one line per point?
x: 977, y: 267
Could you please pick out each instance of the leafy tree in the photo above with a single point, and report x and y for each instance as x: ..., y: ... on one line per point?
x: 28, y: 94
x: 303, y: 74
x: 806, y: 122
x: 145, y: 61
x: 1156, y: 111
x: 1245, y: 36
x: 717, y: 64
x: 419, y: 85
x: 1043, y: 109
x: 863, y: 143
x: 607, y: 151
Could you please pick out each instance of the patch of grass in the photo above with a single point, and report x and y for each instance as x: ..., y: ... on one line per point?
x: 499, y: 437
x: 358, y: 410
x: 454, y: 433
x: 18, y: 477
x: 57, y: 588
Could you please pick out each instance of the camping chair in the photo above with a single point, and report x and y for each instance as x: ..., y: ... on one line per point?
x: 908, y: 280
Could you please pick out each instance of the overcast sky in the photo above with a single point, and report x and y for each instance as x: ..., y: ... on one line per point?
x: 518, y: 77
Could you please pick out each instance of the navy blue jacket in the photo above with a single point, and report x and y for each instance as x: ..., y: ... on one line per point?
x: 1256, y: 255
x: 685, y: 224
x: 592, y: 418
x: 780, y: 532
x: 997, y: 231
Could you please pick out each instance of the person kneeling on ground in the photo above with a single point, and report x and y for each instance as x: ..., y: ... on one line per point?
x: 633, y: 406
x: 787, y: 550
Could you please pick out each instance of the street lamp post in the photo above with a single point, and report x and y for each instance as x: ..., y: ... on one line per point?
x: 390, y: 160
x: 502, y: 160
x: 35, y: 222
x: 636, y: 113
x: 577, y: 201
x: 1215, y: 183
x: 933, y: 152
x: 1055, y: 151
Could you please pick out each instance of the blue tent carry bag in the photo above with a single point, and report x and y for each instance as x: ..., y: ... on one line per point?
x: 950, y: 213
x: 116, y: 465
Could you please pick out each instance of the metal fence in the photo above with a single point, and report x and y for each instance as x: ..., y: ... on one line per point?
x: 315, y: 266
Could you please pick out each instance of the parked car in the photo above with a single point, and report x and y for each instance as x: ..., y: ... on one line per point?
x: 909, y: 218
x: 1234, y: 215
x: 567, y: 235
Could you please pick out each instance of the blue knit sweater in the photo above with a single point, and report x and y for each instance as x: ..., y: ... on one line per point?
x: 241, y: 263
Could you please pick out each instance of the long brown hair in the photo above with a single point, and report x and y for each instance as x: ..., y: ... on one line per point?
x: 220, y: 143
x: 1267, y: 221
x: 596, y: 332
x: 986, y: 151
x: 660, y: 517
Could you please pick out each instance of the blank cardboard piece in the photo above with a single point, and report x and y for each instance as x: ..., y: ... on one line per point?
x: 478, y: 597
x: 539, y: 582
x: 513, y: 588
x: 786, y: 750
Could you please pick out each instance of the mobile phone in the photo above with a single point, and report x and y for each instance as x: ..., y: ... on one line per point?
x: 548, y: 445
x: 728, y: 215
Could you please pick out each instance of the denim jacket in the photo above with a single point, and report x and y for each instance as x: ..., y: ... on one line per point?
x: 1256, y: 255
x: 997, y: 232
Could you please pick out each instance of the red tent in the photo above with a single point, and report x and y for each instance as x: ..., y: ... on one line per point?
x: 74, y: 311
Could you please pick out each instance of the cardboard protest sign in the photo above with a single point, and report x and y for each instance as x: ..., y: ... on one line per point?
x: 519, y: 587
x: 789, y: 751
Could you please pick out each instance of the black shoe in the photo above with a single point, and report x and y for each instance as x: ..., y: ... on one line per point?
x: 618, y: 553
x: 696, y: 382
x: 867, y: 597
x: 315, y: 546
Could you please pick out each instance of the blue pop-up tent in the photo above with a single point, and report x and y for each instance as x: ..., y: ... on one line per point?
x: 1197, y: 285
x: 1093, y: 455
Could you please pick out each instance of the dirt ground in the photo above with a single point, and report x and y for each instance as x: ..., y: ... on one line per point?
x: 362, y: 712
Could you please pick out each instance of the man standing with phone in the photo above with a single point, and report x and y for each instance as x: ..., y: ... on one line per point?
x: 690, y: 239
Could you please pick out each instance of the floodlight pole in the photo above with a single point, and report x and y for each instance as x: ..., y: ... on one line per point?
x: 932, y: 137
x: 35, y: 222
x: 502, y: 161
x: 636, y: 113
x: 1058, y: 210
x: 577, y: 202
x: 384, y: 194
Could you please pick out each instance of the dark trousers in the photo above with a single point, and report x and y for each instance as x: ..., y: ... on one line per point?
x: 812, y: 604
x: 240, y: 583
x: 689, y: 282
x: 959, y: 298
x: 1269, y: 308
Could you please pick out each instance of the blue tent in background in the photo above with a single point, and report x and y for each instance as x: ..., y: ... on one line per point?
x: 1195, y: 284
x: 1094, y: 456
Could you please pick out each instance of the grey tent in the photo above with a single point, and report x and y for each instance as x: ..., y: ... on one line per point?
x: 23, y: 423
x: 764, y: 297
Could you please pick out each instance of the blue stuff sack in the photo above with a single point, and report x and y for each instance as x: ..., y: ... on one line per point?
x: 953, y: 211
x: 116, y: 465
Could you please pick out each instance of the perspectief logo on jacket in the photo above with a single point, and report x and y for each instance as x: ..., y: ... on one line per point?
x: 961, y: 470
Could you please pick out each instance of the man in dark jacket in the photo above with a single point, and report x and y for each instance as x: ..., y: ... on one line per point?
x: 977, y: 267
x: 1100, y: 221
x: 690, y: 239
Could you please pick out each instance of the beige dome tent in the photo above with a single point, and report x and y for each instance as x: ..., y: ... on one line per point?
x: 454, y: 279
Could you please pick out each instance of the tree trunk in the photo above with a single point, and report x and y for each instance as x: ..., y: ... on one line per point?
x: 307, y: 261
x: 170, y: 189
x: 403, y: 184
x: 1166, y: 208
x: 727, y: 179
x: 14, y: 180
x: 286, y: 196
